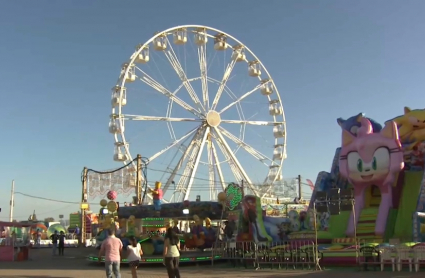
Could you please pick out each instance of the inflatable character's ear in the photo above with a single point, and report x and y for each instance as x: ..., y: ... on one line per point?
x: 359, y: 117
x: 407, y: 110
x: 340, y: 121
x: 347, y: 138
x: 390, y: 130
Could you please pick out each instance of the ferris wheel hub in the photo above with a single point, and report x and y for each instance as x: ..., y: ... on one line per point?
x: 213, y: 118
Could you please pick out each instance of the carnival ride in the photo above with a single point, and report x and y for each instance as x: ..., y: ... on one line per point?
x: 197, y: 234
x: 217, y: 79
x: 373, y: 197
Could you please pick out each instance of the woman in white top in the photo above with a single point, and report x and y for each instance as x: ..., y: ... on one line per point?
x: 172, y: 253
x: 135, y: 253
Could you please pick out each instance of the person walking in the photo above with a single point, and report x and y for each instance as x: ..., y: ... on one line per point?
x: 61, y: 245
x: 135, y: 253
x: 54, y: 238
x: 38, y: 242
x: 172, y: 253
x: 76, y: 234
x: 111, y: 248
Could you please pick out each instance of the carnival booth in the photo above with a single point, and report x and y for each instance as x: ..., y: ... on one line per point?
x: 14, y: 246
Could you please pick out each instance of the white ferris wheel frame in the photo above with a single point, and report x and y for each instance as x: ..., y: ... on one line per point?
x: 202, y: 134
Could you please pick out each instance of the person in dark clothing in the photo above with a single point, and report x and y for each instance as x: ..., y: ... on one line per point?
x: 229, y: 229
x: 54, y: 238
x: 172, y: 253
x: 61, y: 246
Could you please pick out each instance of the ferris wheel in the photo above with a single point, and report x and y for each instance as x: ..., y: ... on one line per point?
x: 194, y: 97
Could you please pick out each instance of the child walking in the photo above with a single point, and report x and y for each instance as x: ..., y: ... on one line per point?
x: 135, y: 253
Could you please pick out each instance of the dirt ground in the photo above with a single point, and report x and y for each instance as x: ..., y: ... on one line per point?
x: 74, y: 265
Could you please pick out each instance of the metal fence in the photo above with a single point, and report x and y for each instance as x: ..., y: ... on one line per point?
x: 299, y: 254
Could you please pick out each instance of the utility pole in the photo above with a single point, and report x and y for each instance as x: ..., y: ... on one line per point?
x: 139, y: 180
x: 300, y: 192
x: 12, y: 201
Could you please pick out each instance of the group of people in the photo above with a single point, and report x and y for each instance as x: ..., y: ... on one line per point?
x: 58, y: 243
x: 112, y: 250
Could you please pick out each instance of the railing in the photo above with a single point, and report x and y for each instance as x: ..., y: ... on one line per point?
x: 288, y: 255
x: 397, y: 256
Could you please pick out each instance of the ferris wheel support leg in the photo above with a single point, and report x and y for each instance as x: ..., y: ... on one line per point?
x: 217, y: 165
x: 182, y: 184
x: 180, y: 163
x: 233, y: 168
x: 235, y: 161
x: 211, y: 171
x: 196, y: 162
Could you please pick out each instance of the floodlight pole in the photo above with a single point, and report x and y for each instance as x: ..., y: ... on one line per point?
x: 12, y: 201
x: 84, y: 208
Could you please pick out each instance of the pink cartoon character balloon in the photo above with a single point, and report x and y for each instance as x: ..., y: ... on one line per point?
x: 371, y: 159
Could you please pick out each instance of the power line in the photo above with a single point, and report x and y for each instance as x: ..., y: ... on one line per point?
x: 42, y: 213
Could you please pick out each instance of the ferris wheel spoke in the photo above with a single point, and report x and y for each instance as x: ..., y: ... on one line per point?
x: 242, y: 97
x: 223, y: 82
x: 202, y: 57
x: 175, y: 63
x: 185, y: 155
x: 148, y: 80
x: 257, y: 154
x: 235, y: 160
x: 153, y: 157
x: 245, y: 122
x: 217, y: 165
x: 155, y: 118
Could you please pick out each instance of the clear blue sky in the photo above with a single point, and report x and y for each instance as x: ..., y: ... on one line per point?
x: 59, y: 59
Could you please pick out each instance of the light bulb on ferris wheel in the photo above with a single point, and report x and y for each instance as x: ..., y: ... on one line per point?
x: 220, y: 92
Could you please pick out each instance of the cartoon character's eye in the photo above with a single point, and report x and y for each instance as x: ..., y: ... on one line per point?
x: 360, y: 165
x: 355, y: 163
x: 374, y: 163
x: 381, y: 159
x: 354, y: 129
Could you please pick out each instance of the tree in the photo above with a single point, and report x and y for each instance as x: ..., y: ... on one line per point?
x: 49, y: 219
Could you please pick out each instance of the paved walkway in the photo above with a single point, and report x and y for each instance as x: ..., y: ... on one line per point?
x: 73, y: 265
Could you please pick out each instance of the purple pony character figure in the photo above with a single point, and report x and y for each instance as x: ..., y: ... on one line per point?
x: 352, y: 124
x: 371, y: 159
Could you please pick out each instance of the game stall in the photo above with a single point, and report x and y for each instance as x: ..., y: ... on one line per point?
x: 14, y: 246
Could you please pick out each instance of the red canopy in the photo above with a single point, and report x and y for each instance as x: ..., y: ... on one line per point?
x: 14, y: 224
